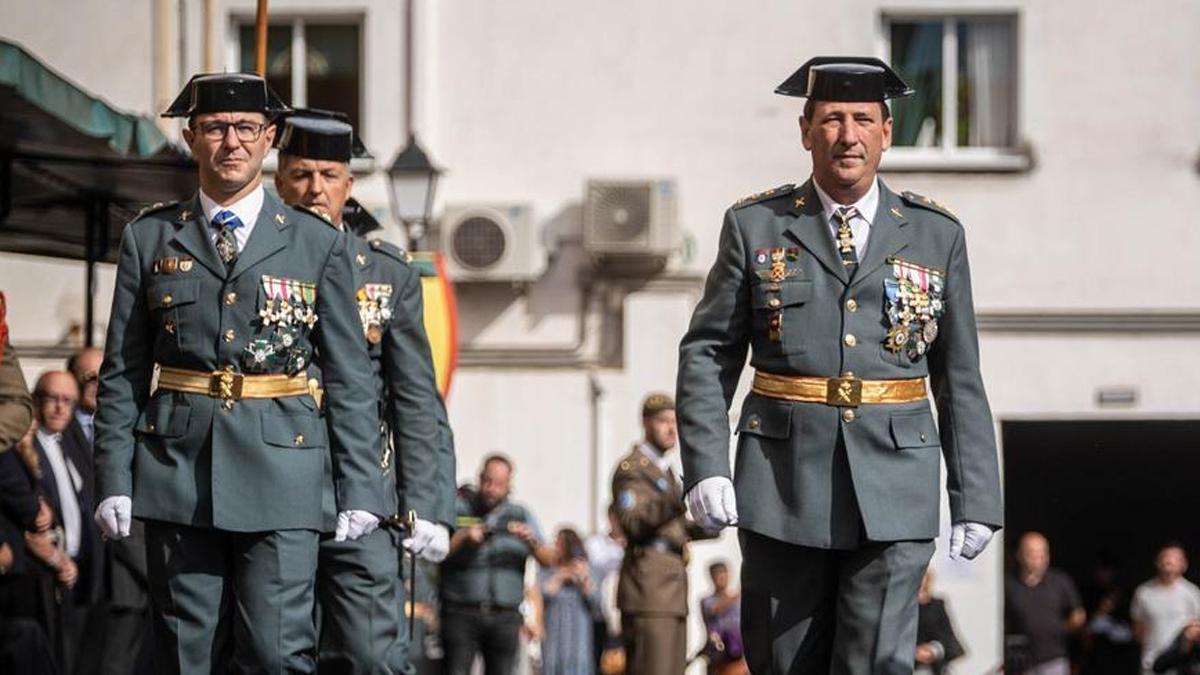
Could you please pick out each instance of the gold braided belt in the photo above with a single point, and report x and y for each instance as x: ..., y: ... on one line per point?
x: 845, y: 391
x: 230, y: 386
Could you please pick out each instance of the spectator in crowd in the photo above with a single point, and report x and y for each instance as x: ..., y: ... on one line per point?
x: 722, y: 614
x: 1182, y: 656
x: 16, y: 407
x: 66, y: 482
x: 1108, y: 648
x: 84, y: 366
x: 1041, y: 609
x: 24, y: 643
x: 483, y: 578
x: 1164, y: 605
x: 570, y: 599
x: 605, y: 552
x: 937, y: 644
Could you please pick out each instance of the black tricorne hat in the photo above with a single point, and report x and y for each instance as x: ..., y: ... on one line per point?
x: 358, y: 219
x: 319, y: 134
x: 226, y: 92
x: 845, y: 78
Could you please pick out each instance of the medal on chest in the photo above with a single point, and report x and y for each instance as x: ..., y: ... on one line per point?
x: 287, y: 314
x: 374, y: 310
x: 913, y: 303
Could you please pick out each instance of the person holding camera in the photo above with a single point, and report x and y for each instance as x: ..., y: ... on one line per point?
x: 483, y: 577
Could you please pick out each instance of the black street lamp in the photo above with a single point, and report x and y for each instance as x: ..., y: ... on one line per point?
x: 412, y: 180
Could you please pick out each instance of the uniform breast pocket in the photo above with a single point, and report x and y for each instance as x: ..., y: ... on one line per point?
x: 171, y: 305
x: 779, y: 314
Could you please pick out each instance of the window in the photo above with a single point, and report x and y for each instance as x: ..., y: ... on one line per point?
x: 310, y: 63
x: 964, y: 114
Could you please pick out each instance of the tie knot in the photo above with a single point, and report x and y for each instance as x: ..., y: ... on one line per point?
x: 227, y: 220
x: 845, y: 213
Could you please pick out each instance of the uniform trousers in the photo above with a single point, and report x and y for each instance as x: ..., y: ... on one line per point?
x: 655, y: 644
x: 207, y: 585
x: 360, y: 601
x: 847, y: 612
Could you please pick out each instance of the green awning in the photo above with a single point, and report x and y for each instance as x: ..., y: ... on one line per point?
x: 33, y: 81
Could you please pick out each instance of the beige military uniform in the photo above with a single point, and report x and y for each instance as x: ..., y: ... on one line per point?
x: 16, y: 408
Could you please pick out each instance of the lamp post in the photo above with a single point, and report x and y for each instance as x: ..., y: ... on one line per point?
x: 412, y: 180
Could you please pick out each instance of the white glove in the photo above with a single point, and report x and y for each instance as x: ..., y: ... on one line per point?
x: 713, y: 503
x: 429, y: 541
x: 354, y: 524
x: 113, y: 516
x: 968, y: 539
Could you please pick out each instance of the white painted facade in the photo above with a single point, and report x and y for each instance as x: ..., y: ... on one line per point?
x: 522, y: 101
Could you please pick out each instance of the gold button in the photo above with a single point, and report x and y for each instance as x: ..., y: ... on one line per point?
x: 774, y: 302
x: 922, y: 438
x: 229, y: 335
x: 150, y: 427
x: 848, y: 415
x: 754, y: 423
x: 167, y: 299
x: 298, y: 440
x: 850, y: 340
x: 852, y: 305
x: 230, y: 297
x: 848, y: 375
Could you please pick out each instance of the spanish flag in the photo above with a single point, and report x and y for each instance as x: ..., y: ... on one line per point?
x: 441, y: 316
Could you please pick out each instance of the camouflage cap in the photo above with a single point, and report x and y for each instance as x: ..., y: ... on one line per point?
x: 656, y: 403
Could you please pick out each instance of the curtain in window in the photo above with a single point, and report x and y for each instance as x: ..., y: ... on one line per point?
x: 917, y: 56
x: 987, y: 66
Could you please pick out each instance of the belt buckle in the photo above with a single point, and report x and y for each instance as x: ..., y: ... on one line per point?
x: 845, y: 391
x: 227, y: 386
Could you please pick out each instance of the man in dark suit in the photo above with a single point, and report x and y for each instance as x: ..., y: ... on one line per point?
x: 66, y: 483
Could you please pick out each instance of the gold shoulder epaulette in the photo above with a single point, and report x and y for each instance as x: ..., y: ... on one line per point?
x: 765, y: 194
x: 313, y: 212
x: 154, y: 208
x: 391, y: 250
x: 923, y: 202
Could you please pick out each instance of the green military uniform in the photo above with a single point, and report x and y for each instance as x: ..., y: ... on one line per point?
x: 228, y: 482
x: 16, y: 407
x: 652, y: 587
x: 359, y: 585
x: 838, y: 494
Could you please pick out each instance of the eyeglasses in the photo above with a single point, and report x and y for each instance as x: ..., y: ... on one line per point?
x: 247, y: 132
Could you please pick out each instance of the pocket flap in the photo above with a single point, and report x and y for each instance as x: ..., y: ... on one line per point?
x: 293, y: 431
x: 771, y: 295
x: 164, y: 417
x: 766, y: 417
x: 914, y: 430
x: 163, y: 296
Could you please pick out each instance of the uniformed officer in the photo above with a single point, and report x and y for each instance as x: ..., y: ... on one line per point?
x: 849, y: 296
x: 652, y: 587
x: 359, y: 589
x: 16, y: 407
x: 228, y: 297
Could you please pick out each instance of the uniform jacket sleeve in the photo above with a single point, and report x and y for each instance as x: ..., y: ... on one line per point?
x: 711, y: 357
x: 413, y: 401
x: 124, y: 375
x: 967, y: 435
x: 16, y: 408
x: 641, y: 510
x: 349, y: 387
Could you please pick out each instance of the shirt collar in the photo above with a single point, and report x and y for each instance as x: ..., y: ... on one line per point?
x: 867, y: 206
x: 247, y: 208
x: 659, y: 458
x: 44, y: 437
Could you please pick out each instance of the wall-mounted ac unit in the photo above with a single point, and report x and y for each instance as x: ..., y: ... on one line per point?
x: 491, y: 242
x: 630, y: 222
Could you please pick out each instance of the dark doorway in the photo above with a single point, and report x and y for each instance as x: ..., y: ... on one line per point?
x: 1105, y: 494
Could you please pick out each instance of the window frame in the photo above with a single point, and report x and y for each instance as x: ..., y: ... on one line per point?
x: 297, y: 21
x: 947, y: 155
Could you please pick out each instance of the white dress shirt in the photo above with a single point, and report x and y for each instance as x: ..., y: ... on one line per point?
x: 247, y: 209
x: 68, y: 481
x: 860, y: 224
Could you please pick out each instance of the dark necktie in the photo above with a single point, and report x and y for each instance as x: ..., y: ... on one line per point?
x: 227, y: 246
x: 845, y: 238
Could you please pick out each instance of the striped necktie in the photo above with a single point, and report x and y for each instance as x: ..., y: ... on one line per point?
x: 227, y: 246
x: 845, y: 238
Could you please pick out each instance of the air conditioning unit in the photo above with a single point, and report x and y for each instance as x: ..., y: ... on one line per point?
x: 630, y: 223
x: 491, y: 242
